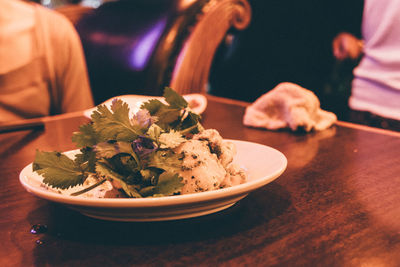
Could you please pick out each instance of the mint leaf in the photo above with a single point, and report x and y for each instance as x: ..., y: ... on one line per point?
x: 115, y: 125
x: 174, y: 99
x: 58, y: 170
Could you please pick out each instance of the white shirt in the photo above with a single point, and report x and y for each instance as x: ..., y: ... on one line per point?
x: 376, y: 84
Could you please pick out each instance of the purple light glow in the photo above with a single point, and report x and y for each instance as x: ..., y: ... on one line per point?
x: 143, y: 49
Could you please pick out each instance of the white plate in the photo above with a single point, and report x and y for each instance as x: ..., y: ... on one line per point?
x: 197, y: 102
x: 262, y: 163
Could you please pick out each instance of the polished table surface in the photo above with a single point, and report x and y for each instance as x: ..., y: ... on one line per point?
x: 337, y: 204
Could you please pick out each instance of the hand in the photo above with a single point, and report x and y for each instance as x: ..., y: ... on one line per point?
x: 346, y: 45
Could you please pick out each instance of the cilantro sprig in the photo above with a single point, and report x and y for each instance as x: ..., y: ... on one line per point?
x: 59, y: 170
x: 135, y: 152
x: 174, y: 115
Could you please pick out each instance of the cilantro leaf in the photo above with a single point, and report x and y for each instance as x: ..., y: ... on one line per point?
x: 166, y: 116
x: 86, y: 160
x: 135, y: 152
x: 174, y: 99
x: 58, y: 170
x: 115, y: 124
x: 171, y: 139
x: 168, y: 184
x: 118, y: 151
x: 110, y: 149
x: 125, y: 165
x: 147, y: 191
x: 191, y: 120
x: 153, y: 106
x: 150, y: 175
x: 104, y: 170
x: 175, y: 115
x: 86, y: 137
x: 154, y: 132
x: 166, y: 160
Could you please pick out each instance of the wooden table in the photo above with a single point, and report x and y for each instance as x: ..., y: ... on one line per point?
x: 337, y: 204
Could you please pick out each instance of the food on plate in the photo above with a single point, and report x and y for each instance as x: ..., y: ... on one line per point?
x: 291, y: 106
x: 207, y: 163
x: 161, y: 150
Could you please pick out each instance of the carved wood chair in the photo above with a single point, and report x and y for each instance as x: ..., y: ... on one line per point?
x: 141, y: 46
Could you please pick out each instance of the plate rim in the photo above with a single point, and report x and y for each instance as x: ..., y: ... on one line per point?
x: 202, y: 98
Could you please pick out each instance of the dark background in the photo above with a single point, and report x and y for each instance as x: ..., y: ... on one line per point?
x: 287, y: 41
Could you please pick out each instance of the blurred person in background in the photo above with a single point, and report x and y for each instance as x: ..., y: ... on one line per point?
x: 73, y: 10
x: 42, y: 65
x: 375, y: 88
x: 287, y: 41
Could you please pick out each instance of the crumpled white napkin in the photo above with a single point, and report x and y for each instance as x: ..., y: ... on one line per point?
x: 288, y: 105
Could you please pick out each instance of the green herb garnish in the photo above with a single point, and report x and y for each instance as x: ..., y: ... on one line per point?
x: 136, y: 152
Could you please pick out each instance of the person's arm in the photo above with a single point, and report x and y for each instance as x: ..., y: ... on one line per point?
x: 70, y: 68
x: 347, y: 17
x: 347, y: 46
